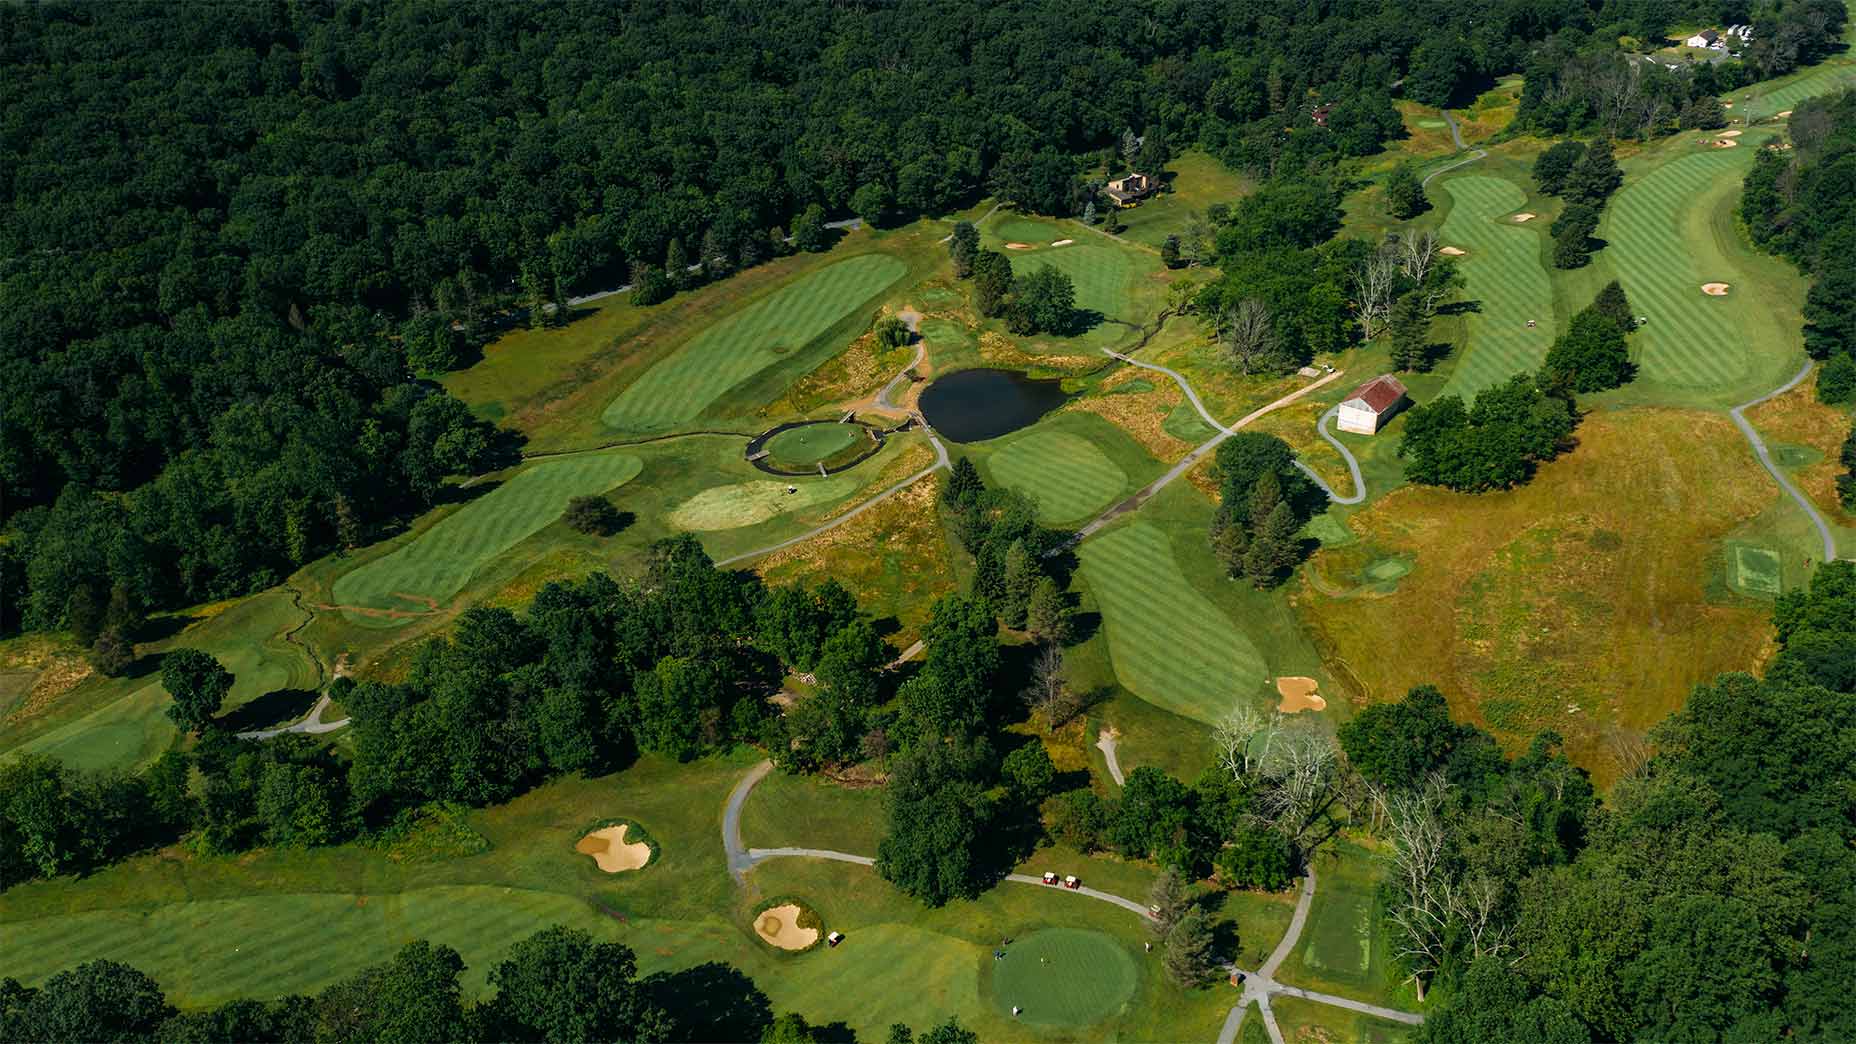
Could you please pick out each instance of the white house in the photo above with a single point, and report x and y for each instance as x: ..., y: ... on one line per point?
x: 1705, y: 38
x: 1370, y: 405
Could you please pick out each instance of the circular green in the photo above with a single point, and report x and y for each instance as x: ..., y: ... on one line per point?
x: 1063, y: 977
x: 811, y: 443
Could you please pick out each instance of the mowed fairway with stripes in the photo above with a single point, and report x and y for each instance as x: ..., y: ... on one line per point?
x: 678, y: 388
x: 440, y: 561
x: 212, y: 951
x: 1104, y: 275
x: 1668, y: 233
x: 1066, y: 474
x: 1504, y: 274
x: 1170, y: 645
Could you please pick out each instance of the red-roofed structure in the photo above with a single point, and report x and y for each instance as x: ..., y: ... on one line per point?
x: 1371, y: 404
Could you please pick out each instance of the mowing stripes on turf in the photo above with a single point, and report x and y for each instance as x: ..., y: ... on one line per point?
x: 1170, y: 645
x: 1103, y: 274
x: 1066, y: 474
x: 440, y: 561
x: 1504, y: 274
x: 1692, y: 340
x: 677, y: 388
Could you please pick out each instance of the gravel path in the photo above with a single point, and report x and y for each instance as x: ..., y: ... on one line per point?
x: 1772, y: 467
x: 1105, y: 742
x: 1353, y: 465
x: 913, y: 318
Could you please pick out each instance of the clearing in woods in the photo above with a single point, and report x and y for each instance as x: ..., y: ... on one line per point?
x: 1170, y: 645
x: 1504, y: 275
x: 678, y: 388
x: 440, y: 561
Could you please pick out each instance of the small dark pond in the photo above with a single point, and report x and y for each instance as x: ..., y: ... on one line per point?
x: 976, y: 405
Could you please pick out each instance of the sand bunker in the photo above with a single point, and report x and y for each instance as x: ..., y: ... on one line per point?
x: 1787, y: 112
x: 1018, y: 246
x: 1452, y: 252
x: 1714, y: 289
x: 1730, y: 134
x: 779, y: 926
x: 1063, y: 242
x: 609, y: 849
x: 1524, y: 217
x: 1726, y: 144
x: 1298, y: 694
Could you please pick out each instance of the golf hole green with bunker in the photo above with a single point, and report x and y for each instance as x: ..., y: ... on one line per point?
x: 1067, y: 977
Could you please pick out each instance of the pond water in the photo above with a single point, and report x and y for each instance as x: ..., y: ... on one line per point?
x: 976, y: 405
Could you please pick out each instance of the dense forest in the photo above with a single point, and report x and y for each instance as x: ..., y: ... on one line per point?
x: 235, y: 237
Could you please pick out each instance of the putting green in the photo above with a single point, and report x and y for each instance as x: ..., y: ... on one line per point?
x: 1024, y: 230
x: 1066, y: 474
x: 681, y: 386
x: 811, y: 443
x: 439, y: 562
x: 1170, y: 645
x: 1503, y: 272
x: 750, y: 503
x: 1758, y: 570
x: 1063, y: 977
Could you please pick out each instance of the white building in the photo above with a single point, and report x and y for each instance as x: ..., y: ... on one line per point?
x: 1371, y: 405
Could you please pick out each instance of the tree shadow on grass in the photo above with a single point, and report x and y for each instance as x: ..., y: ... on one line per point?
x: 267, y: 711
x: 712, y: 1001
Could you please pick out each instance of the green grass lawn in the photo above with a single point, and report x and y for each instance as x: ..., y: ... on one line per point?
x: 1199, y: 181
x: 1306, y: 1020
x: 438, y: 563
x: 1669, y: 230
x: 811, y: 443
x: 1067, y: 977
x: 1169, y: 644
x: 122, y: 722
x: 1065, y: 473
x: 1505, y: 276
x: 1344, y: 949
x: 734, y: 349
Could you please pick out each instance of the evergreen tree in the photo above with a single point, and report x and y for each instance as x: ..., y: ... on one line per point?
x: 1405, y: 196
x: 1555, y: 165
x: 1411, y: 333
x: 1571, y: 249
x: 992, y: 282
x: 1590, y: 356
x: 1190, y: 957
x: 677, y: 265
x: 1169, y: 901
x: 1046, y: 615
x: 964, y: 246
x: 1595, y: 176
x: 1169, y: 252
x: 1021, y: 576
x: 1612, y: 302
x: 1836, y: 380
x: 1089, y: 213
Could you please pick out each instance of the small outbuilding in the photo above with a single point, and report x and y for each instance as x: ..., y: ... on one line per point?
x: 1371, y: 405
x: 1705, y: 38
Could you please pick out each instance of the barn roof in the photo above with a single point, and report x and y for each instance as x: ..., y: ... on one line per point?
x: 1378, y: 395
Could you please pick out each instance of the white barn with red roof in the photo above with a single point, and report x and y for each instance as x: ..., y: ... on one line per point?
x: 1371, y: 405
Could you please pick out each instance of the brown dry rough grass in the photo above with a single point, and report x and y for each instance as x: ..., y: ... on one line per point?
x: 1580, y: 602
x: 1798, y: 418
x: 1140, y: 414
x: 893, y: 557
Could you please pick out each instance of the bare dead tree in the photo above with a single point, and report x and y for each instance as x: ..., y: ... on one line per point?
x: 1630, y: 750
x: 1301, y: 782
x: 1049, y: 693
x: 1373, y: 285
x: 1416, y: 252
x: 1243, y: 738
x: 1476, y: 904
x: 1247, y: 336
x: 1423, y: 913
